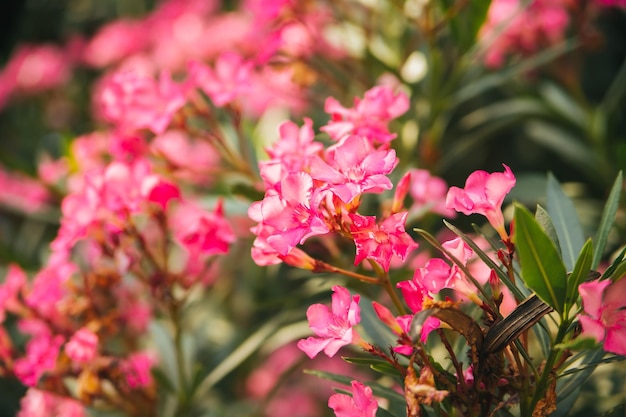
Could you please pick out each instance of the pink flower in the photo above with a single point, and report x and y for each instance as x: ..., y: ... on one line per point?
x: 132, y: 100
x: 34, y: 68
x: 114, y: 41
x: 83, y: 346
x: 10, y: 289
x: 515, y: 27
x: 428, y: 193
x: 360, y: 404
x: 605, y: 313
x: 483, y: 194
x: 229, y: 80
x: 353, y: 166
x: 291, y: 153
x: 41, y: 354
x: 369, y: 117
x: 202, y: 233
x: 334, y: 326
x: 22, y: 192
x: 39, y: 403
x: 137, y: 368
x: 380, y: 241
x: 291, y: 217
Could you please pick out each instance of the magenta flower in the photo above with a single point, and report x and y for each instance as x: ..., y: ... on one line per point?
x: 334, y: 325
x: 228, y: 80
x: 353, y: 166
x: 483, y: 194
x: 605, y: 313
x: 360, y: 404
x: 132, y: 101
x: 137, y: 368
x: 83, y: 346
x: 381, y: 241
x: 369, y: 117
x: 290, y: 217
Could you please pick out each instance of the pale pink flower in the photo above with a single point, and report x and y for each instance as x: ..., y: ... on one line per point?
x: 10, y: 289
x: 49, y: 287
x: 202, y: 233
x: 513, y: 27
x: 83, y: 346
x: 229, y: 79
x: 604, y: 320
x: 131, y: 100
x: 136, y: 368
x: 428, y: 193
x: 22, y: 192
x: 292, y: 152
x: 380, y: 241
x: 360, y: 404
x: 369, y: 117
x: 39, y: 403
x: 334, y: 325
x: 483, y: 194
x: 34, y: 68
x: 275, y: 87
x: 293, y: 215
x: 115, y: 41
x: 353, y: 166
x: 41, y: 355
x: 190, y: 159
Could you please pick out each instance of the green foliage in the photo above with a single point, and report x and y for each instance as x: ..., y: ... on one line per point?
x: 542, y: 268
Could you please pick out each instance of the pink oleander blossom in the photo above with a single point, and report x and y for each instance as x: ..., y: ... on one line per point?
x: 515, y: 27
x: 229, y: 79
x: 380, y: 241
x: 334, y: 325
x: 428, y: 193
x: 369, y: 117
x: 131, y: 100
x: 114, y: 41
x: 39, y: 403
x: 34, y: 68
x: 201, y: 232
x: 353, y: 166
x: 136, y: 368
x: 292, y: 152
x: 10, y: 289
x: 483, y: 194
x: 22, y: 192
x: 83, y: 346
x: 604, y: 317
x: 361, y: 404
x: 291, y: 216
x: 41, y: 355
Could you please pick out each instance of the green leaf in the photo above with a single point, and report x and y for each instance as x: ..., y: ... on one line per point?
x: 566, y: 222
x: 619, y: 271
x: 580, y: 343
x: 611, y: 270
x: 608, y: 216
x: 542, y: 267
x: 580, y: 272
x: 544, y: 220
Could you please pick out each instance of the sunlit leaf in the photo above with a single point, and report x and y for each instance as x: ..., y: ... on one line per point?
x: 566, y: 222
x: 542, y: 268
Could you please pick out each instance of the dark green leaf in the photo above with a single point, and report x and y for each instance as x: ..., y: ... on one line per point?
x: 580, y: 272
x: 608, y: 216
x: 610, y: 271
x: 542, y: 268
x: 162, y: 380
x: 566, y: 222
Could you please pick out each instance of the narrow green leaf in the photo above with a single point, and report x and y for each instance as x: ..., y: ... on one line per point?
x: 566, y: 222
x: 378, y: 389
x: 544, y: 220
x: 608, y: 216
x: 542, y: 268
x: 580, y: 272
x: 619, y: 271
x: 610, y: 271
